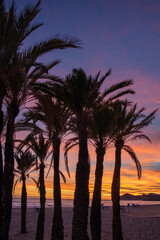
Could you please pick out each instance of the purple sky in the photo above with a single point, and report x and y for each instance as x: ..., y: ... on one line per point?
x: 123, y: 35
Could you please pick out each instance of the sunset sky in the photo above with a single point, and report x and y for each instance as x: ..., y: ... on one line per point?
x: 123, y: 35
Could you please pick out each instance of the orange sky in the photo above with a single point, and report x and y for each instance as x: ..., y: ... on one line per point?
x: 150, y: 182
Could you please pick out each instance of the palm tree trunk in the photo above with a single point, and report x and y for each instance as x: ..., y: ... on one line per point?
x: 95, y: 218
x: 1, y: 193
x: 116, y: 222
x: 81, y: 196
x: 1, y: 170
x: 8, y: 178
x: 57, y: 227
x: 23, y: 205
x: 41, y: 216
x: 1, y: 180
x: 8, y: 171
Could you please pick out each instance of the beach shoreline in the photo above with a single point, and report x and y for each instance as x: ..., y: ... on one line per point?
x: 138, y: 223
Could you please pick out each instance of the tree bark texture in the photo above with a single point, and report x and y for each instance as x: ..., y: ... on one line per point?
x: 57, y: 227
x: 1, y: 174
x: 95, y: 218
x: 23, y: 205
x: 8, y: 170
x: 116, y: 222
x: 1, y: 193
x: 8, y: 178
x: 81, y: 196
x: 41, y: 215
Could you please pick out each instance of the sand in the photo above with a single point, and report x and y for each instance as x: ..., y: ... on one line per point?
x: 138, y: 223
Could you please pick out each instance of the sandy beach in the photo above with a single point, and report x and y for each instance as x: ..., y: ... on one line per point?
x: 139, y: 223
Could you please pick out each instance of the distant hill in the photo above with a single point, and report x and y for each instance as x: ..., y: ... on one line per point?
x: 143, y: 197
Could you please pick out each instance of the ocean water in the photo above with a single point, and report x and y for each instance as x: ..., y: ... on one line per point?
x: 34, y: 202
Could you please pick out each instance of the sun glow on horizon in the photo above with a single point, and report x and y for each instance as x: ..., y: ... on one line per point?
x: 149, y: 183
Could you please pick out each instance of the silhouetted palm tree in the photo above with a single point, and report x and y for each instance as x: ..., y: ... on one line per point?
x: 83, y: 95
x: 128, y: 124
x: 99, y: 135
x: 55, y: 117
x: 40, y: 147
x: 25, y: 163
x: 12, y: 33
x: 100, y: 127
x: 16, y: 83
x: 80, y: 93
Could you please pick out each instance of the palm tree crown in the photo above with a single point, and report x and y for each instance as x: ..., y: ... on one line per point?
x: 25, y: 163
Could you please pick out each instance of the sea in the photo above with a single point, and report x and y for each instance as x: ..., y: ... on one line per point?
x: 35, y: 202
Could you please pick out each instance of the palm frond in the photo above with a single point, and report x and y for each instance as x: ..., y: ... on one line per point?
x: 57, y: 42
x: 40, y: 70
x: 25, y: 161
x: 147, y: 120
x: 69, y: 145
x: 118, y: 95
x: 36, y: 182
x: 51, y: 165
x: 25, y: 18
x: 62, y: 175
x: 132, y: 154
x: 118, y: 86
x: 141, y: 136
x: 14, y: 186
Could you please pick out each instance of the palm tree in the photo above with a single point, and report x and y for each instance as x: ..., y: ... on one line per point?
x: 8, y: 47
x: 14, y: 29
x: 80, y: 93
x: 55, y: 116
x: 17, y: 82
x: 99, y: 132
x: 100, y: 127
x: 15, y: 98
x: 128, y: 125
x: 40, y: 147
x: 2, y: 20
x: 25, y: 163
